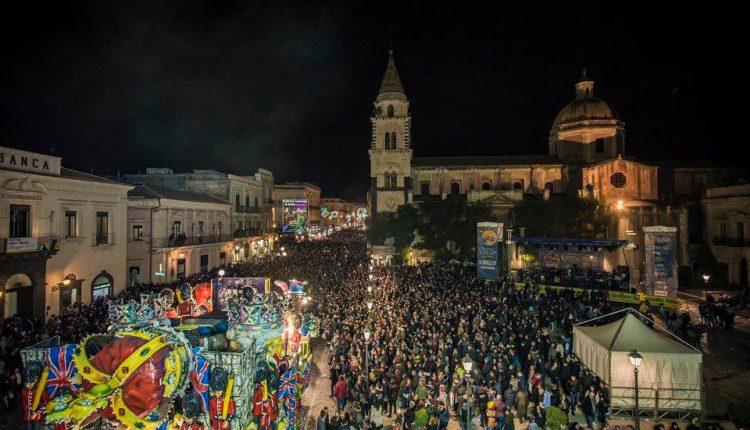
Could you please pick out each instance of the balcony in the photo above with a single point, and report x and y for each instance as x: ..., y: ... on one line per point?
x: 103, y: 239
x: 178, y: 241
x: 247, y: 209
x: 251, y: 232
x: 732, y: 241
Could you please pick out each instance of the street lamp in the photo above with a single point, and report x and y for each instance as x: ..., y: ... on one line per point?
x: 635, y: 360
x: 468, y: 364
x: 369, y: 288
x: 369, y: 305
x: 222, y: 272
x: 706, y: 278
x: 367, y: 359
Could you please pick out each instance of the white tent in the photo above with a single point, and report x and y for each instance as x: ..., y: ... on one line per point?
x: 669, y: 377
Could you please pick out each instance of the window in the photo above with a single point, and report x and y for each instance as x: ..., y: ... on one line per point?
x: 618, y: 180
x: 486, y: 186
x: 176, y: 227
x: 390, y: 111
x: 238, y: 225
x: 549, y: 186
x: 455, y: 189
x: 394, y: 180
x: 722, y: 230
x: 741, y: 232
x: 387, y: 140
x: 204, y: 263
x: 101, y: 287
x: 247, y: 201
x: 390, y: 179
x: 200, y: 228
x: 518, y: 185
x: 425, y: 189
x: 71, y: 226
x: 393, y: 140
x: 222, y: 258
x: 219, y: 228
x: 237, y: 200
x: 256, y: 202
x: 102, y: 228
x: 137, y: 232
x: 20, y: 221
x: 600, y: 146
x: 181, y: 268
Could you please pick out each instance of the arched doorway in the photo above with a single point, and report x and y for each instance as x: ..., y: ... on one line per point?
x: 101, y: 286
x: 743, y: 273
x: 455, y: 189
x: 18, y: 295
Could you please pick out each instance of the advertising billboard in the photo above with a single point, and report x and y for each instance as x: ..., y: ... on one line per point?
x: 295, y: 216
x: 661, y: 264
x: 489, y: 235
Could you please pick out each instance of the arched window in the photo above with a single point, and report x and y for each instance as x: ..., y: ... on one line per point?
x: 387, y: 180
x: 393, y: 140
x: 517, y: 186
x: 455, y: 189
x: 390, y: 111
x: 394, y: 182
x: 387, y: 140
x: 425, y: 189
x: 486, y: 186
x: 101, y: 286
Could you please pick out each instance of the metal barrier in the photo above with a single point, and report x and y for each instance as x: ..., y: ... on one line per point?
x: 679, y: 403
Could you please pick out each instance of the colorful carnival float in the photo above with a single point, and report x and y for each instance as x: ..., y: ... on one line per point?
x: 233, y: 353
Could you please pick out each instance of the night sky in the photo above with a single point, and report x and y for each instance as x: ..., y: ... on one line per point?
x: 234, y: 86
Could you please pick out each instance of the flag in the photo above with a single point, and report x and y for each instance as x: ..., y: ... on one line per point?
x: 288, y: 384
x: 200, y: 377
x: 291, y: 410
x: 61, y: 369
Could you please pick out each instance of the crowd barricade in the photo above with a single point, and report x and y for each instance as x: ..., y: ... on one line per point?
x: 619, y: 296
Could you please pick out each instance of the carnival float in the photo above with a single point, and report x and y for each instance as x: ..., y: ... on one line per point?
x: 232, y: 353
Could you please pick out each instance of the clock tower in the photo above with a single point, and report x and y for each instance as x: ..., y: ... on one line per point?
x: 390, y: 148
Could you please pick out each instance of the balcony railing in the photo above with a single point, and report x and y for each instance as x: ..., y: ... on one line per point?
x: 100, y: 239
x: 248, y: 209
x: 732, y: 241
x: 174, y: 242
x: 252, y: 232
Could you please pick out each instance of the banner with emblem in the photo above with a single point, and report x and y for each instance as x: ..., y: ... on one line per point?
x: 489, y: 235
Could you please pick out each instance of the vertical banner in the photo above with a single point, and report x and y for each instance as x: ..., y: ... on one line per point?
x: 661, y: 260
x: 489, y: 235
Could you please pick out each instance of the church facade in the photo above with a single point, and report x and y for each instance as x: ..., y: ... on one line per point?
x: 586, y: 150
x: 586, y: 156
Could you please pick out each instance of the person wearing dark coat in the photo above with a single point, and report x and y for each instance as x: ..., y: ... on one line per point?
x: 589, y: 407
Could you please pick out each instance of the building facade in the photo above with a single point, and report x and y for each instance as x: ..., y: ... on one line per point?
x: 586, y: 156
x: 63, y: 235
x: 297, y: 191
x: 174, y: 233
x: 250, y: 198
x: 335, y: 212
x: 727, y: 215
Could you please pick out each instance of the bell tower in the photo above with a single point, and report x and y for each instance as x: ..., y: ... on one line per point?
x: 390, y: 148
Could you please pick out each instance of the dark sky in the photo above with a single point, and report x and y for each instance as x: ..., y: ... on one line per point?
x: 234, y: 86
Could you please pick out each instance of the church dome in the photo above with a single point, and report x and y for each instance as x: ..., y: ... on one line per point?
x: 585, y: 108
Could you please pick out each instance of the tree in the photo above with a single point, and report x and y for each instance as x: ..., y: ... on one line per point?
x: 565, y: 216
x: 454, y: 221
x: 400, y: 226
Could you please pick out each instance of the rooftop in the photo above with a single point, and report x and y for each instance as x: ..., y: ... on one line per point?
x: 494, y: 160
x: 148, y: 192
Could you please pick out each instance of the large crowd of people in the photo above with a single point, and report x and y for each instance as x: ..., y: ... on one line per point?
x: 423, y: 322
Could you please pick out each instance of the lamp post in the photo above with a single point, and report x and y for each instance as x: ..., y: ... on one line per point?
x: 468, y: 364
x: 369, y: 288
x: 369, y: 305
x: 367, y: 358
x: 222, y: 273
x: 635, y: 360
